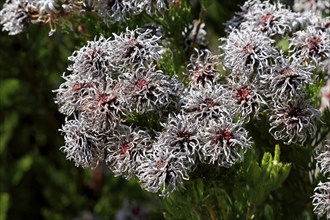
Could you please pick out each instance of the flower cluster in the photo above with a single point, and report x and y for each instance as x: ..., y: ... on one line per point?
x: 110, y: 79
x: 112, y: 11
x: 113, y: 81
x: 321, y: 197
x: 16, y: 15
x: 274, y: 78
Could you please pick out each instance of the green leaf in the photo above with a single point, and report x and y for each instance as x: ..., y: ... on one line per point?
x: 268, y: 212
x: 4, y: 204
x: 22, y: 166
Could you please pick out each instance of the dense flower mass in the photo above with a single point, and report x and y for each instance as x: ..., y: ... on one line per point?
x: 125, y: 108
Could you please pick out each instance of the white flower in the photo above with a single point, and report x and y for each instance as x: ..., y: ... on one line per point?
x: 124, y: 149
x: 323, y: 158
x: 247, y: 49
x: 206, y: 102
x: 321, y: 200
x: 147, y: 89
x: 316, y: 6
x: 15, y: 16
x: 223, y: 142
x: 292, y: 120
x: 161, y: 170
x: 312, y: 44
x: 134, y: 48
x: 93, y: 60
x: 203, y: 68
x: 271, y: 19
x: 82, y: 145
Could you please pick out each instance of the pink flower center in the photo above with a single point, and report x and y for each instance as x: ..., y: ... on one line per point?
x: 209, y: 102
x: 124, y: 148
x: 160, y: 164
x: 243, y: 94
x: 268, y: 18
x: 225, y: 135
x: 139, y: 84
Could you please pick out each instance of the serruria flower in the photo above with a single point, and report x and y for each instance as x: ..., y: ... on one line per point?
x: 269, y: 18
x: 313, y: 44
x: 93, y: 60
x: 323, y: 158
x: 203, y: 68
x: 134, y: 48
x: 82, y: 145
x: 71, y: 94
x: 247, y: 49
x: 247, y: 97
x: 179, y: 136
x: 206, y: 102
x: 15, y: 16
x: 223, y: 142
x: 146, y: 89
x: 83, y: 95
x: 321, y: 200
x: 292, y: 120
x: 288, y: 75
x: 125, y: 147
x: 162, y: 171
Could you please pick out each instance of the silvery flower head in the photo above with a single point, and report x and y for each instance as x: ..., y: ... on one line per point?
x: 271, y: 19
x: 71, y: 93
x: 223, y: 142
x: 93, y: 60
x: 46, y: 7
x: 246, y: 95
x: 111, y: 11
x: 206, y: 102
x: 83, y: 95
x: 316, y: 6
x: 147, y: 89
x: 124, y: 149
x: 247, y: 49
x: 82, y: 145
x: 134, y: 48
x: 179, y: 136
x: 287, y: 76
x: 163, y: 171
x: 292, y: 120
x: 321, y: 200
x: 323, y: 158
x: 15, y: 16
x: 203, y: 68
x: 312, y: 44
